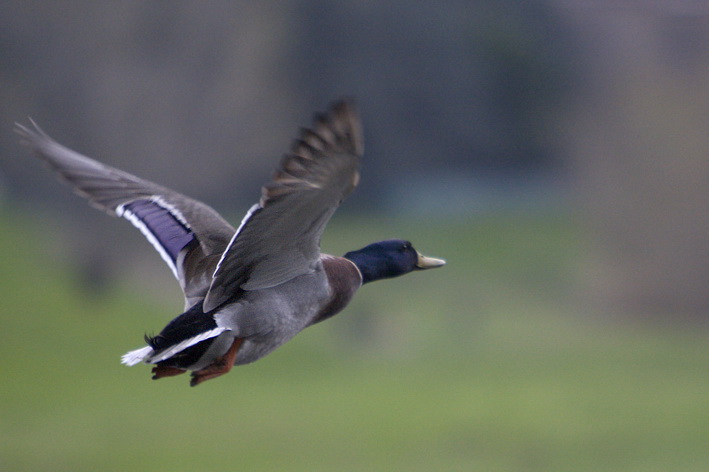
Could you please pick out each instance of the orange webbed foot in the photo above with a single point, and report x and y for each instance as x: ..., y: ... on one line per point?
x: 160, y: 371
x: 220, y: 366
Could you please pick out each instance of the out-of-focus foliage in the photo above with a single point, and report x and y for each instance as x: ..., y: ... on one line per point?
x: 470, y: 367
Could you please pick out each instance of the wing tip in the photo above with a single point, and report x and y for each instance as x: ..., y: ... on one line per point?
x: 340, y: 127
x: 30, y: 135
x: 338, y: 130
x: 345, y: 119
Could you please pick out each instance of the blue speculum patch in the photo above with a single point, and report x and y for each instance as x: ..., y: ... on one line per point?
x: 168, y: 230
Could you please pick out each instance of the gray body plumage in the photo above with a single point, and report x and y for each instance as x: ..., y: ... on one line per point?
x: 268, y: 318
x: 265, y: 319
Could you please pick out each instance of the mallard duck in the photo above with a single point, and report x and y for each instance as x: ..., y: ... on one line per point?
x: 246, y: 290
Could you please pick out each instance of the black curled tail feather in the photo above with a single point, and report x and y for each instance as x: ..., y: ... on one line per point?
x: 187, y: 325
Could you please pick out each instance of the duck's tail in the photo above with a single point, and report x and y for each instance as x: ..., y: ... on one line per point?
x: 148, y: 355
x: 136, y: 357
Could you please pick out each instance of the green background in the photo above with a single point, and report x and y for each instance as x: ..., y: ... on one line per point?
x: 483, y: 365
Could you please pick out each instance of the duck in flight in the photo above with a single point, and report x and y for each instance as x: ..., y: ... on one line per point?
x: 247, y: 290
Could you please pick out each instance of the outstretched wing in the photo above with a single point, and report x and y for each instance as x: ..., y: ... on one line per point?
x: 188, y: 235
x: 279, y: 238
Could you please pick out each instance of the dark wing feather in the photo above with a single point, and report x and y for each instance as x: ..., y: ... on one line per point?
x: 189, y: 235
x: 279, y: 239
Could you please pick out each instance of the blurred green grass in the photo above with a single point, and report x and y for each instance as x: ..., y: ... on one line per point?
x: 483, y: 365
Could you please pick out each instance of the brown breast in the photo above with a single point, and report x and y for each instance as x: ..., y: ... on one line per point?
x: 344, y: 280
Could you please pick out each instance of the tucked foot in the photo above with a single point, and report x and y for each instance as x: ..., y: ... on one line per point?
x: 160, y: 371
x: 220, y: 366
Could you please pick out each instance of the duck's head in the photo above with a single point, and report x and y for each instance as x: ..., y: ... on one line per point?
x: 390, y: 258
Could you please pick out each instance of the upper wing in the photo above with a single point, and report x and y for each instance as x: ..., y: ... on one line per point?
x: 189, y: 235
x: 279, y: 238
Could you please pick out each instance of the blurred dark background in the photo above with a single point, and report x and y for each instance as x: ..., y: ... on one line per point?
x: 594, y: 114
x: 469, y: 107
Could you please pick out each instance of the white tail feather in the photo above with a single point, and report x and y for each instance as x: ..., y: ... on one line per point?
x: 172, y: 350
x: 137, y: 356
